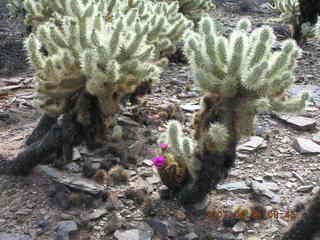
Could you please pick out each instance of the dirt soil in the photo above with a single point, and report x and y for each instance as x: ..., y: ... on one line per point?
x: 27, y: 202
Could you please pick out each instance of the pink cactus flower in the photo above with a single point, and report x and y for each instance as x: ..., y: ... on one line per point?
x: 164, y: 146
x: 159, y: 161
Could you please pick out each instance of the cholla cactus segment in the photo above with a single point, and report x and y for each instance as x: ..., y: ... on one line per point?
x: 194, y: 9
x: 289, y: 10
x: 243, y: 64
x: 217, y: 137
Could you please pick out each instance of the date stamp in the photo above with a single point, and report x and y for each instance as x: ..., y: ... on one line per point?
x: 218, y: 214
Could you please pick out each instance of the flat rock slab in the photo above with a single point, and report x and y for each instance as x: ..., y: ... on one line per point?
x: 8, y: 236
x: 190, y: 107
x: 254, y: 143
x: 237, y: 186
x: 133, y: 234
x: 306, y: 146
x: 302, y: 123
x: 73, y: 181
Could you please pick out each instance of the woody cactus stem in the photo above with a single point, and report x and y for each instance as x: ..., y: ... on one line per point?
x: 306, y: 227
x: 239, y: 77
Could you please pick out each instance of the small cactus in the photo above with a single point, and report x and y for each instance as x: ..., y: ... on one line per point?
x: 176, y: 162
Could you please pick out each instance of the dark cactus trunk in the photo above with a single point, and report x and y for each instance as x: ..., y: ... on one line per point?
x: 308, y: 225
x: 309, y: 9
x: 215, y: 164
x: 53, y: 140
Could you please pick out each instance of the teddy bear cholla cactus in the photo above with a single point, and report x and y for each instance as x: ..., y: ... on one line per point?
x: 239, y: 77
x: 108, y: 57
x: 87, y: 57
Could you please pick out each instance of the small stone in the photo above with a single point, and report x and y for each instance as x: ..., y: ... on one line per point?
x: 114, y: 223
x: 305, y: 146
x: 242, y: 156
x: 76, y: 154
x: 316, y: 138
x: 44, y: 224
x: 73, y: 167
x: 96, y: 213
x: 191, y: 236
x: 127, y: 121
x: 282, y: 222
x: 190, y: 107
x: 298, y: 177
x: 239, y: 227
x: 180, y: 215
x: 304, y: 189
x: 148, y: 162
x: 158, y: 227
x: 133, y: 234
x: 153, y: 180
x: 64, y: 228
x: 267, y: 176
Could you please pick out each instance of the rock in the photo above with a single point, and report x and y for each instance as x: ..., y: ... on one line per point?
x: 298, y: 177
x: 153, y: 180
x: 64, y: 228
x: 248, y: 5
x: 159, y: 227
x: 221, y: 236
x: 252, y: 145
x: 73, y: 167
x: 304, y: 189
x: 76, y: 155
x: 9, y: 236
x: 237, y: 186
x: 239, y: 227
x: 242, y: 156
x: 190, y: 107
x: 44, y: 224
x: 60, y: 196
x: 266, y: 189
x: 301, y: 123
x: 127, y: 121
x: 316, y: 138
x: 96, y: 213
x: 114, y: 223
x: 180, y: 216
x: 305, y: 146
x: 191, y: 236
x: 72, y: 181
x: 133, y: 234
x: 148, y: 162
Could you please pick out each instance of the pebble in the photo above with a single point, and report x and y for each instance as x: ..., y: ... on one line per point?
x: 133, y: 234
